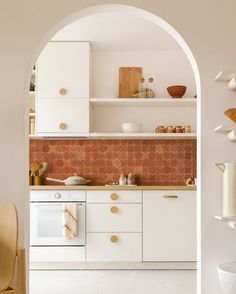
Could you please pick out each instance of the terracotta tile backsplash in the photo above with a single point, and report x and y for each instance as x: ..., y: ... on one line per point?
x: 159, y: 162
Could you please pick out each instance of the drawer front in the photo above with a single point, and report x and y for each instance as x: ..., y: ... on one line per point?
x: 57, y: 254
x: 114, y: 247
x: 114, y: 196
x: 114, y: 217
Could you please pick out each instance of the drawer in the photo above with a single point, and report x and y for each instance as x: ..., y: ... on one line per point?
x: 114, y: 217
x: 114, y: 196
x: 114, y: 247
x: 57, y: 254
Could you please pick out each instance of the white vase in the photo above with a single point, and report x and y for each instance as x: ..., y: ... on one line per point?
x: 229, y: 188
x: 227, y: 277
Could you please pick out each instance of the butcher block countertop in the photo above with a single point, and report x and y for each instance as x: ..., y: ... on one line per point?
x: 110, y: 187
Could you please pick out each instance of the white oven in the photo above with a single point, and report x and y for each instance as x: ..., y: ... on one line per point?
x: 46, y: 217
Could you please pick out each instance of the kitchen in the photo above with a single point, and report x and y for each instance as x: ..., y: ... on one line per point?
x: 120, y: 224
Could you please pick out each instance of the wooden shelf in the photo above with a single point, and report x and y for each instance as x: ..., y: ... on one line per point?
x: 143, y: 101
x: 143, y: 135
x: 231, y: 221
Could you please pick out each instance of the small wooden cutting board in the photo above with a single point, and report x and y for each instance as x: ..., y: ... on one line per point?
x: 129, y: 78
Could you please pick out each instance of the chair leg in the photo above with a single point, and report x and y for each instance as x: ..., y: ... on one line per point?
x: 21, y: 280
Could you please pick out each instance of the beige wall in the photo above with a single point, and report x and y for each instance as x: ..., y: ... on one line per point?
x: 209, y: 29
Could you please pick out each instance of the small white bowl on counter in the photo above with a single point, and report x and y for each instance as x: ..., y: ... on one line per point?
x: 130, y: 127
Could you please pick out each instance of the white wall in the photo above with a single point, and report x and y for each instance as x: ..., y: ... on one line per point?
x: 209, y: 29
x: 168, y: 67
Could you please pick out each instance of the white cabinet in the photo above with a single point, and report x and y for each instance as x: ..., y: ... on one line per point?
x: 114, y: 247
x: 114, y: 226
x: 62, y: 117
x: 169, y: 226
x: 63, y: 69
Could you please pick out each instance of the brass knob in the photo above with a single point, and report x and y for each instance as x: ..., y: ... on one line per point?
x: 63, y: 91
x: 114, y: 196
x: 114, y: 239
x: 114, y: 209
x: 63, y: 126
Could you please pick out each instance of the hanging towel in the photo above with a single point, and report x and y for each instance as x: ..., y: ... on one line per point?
x: 70, y: 220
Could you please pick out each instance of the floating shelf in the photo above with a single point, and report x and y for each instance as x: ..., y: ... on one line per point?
x: 227, y: 130
x: 231, y: 221
x: 144, y: 135
x: 227, y: 77
x: 144, y: 101
x: 31, y: 114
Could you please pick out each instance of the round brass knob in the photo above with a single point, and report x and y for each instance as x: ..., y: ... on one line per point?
x: 63, y: 126
x: 114, y: 209
x: 114, y: 196
x: 114, y: 239
x: 63, y: 91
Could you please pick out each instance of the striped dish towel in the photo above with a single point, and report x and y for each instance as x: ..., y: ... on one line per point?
x: 70, y: 220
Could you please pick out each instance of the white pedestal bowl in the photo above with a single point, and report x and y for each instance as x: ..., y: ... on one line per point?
x: 227, y: 277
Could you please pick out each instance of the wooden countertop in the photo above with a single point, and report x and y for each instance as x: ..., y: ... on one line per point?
x: 61, y: 187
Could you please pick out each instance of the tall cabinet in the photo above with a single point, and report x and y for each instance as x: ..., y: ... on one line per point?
x: 63, y: 89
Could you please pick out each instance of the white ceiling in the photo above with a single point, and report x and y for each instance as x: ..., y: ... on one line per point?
x: 118, y: 31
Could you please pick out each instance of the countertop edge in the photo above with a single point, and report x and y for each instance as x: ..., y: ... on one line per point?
x: 46, y: 187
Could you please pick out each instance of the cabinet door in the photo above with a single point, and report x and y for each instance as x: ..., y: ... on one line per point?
x: 63, y: 70
x: 62, y: 117
x: 169, y: 226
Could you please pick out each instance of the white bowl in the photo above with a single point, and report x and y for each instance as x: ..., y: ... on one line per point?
x: 227, y: 277
x: 130, y: 127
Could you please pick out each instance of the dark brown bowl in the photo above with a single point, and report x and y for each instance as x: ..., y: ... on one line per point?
x: 177, y: 91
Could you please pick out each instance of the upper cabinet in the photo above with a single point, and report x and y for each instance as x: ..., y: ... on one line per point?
x: 63, y: 70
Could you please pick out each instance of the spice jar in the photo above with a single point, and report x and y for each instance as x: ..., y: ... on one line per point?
x: 169, y: 129
x: 179, y: 129
x: 187, y: 129
x: 160, y: 129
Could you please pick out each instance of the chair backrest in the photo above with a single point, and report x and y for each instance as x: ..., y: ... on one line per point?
x: 8, y: 243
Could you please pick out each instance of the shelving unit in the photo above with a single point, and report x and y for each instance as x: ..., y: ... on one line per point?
x: 231, y: 221
x: 143, y: 136
x: 32, y: 103
x: 143, y: 102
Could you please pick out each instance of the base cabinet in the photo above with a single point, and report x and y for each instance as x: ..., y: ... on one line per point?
x: 113, y: 247
x: 169, y: 226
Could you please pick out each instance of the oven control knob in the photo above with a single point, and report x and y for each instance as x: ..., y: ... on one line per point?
x: 57, y: 196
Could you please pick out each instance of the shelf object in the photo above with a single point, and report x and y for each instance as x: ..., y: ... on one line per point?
x: 227, y: 77
x: 230, y: 131
x: 143, y: 101
x: 231, y: 221
x: 143, y: 135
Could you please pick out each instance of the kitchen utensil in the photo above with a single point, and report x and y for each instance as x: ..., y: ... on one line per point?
x: 129, y: 78
x: 231, y: 113
x: 34, y: 168
x: 71, y: 181
x: 42, y: 168
x: 229, y: 188
x: 177, y: 91
x: 130, y: 127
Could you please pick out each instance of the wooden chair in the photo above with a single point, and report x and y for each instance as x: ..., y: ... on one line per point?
x: 12, y: 258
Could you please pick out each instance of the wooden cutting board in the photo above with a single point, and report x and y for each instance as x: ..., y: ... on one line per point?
x: 129, y: 78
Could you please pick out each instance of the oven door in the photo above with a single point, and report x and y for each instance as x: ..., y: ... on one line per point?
x: 46, y: 225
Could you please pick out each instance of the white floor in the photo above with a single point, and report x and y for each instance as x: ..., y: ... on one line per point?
x: 113, y: 281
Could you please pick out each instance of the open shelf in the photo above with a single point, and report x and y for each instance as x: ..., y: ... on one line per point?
x: 144, y: 101
x: 231, y: 221
x: 144, y: 135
